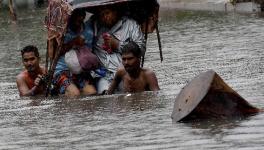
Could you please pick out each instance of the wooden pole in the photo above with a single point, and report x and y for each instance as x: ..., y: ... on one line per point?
x: 159, y: 42
x: 146, y: 39
x: 1, y: 3
x: 12, y: 11
x: 53, y: 64
x: 47, y: 57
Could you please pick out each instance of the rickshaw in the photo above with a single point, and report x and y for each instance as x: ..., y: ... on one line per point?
x: 145, y: 12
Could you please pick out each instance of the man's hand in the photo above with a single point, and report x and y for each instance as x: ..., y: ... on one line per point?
x: 110, y: 43
x: 37, y: 81
x: 24, y: 89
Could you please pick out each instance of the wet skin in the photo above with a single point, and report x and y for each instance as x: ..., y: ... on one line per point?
x: 135, y: 79
x: 28, y: 83
x: 131, y: 64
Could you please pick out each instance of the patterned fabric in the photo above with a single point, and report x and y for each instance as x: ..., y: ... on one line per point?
x: 57, y: 18
x: 65, y: 78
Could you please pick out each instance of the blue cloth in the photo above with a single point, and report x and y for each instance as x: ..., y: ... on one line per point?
x: 61, y: 66
x: 87, y: 34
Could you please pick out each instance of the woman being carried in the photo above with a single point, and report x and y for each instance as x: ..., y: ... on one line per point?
x: 79, y: 35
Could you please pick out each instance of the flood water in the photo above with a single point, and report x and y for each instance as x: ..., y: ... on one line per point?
x: 193, y: 42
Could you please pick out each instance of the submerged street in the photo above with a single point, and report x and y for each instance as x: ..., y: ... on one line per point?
x: 193, y: 42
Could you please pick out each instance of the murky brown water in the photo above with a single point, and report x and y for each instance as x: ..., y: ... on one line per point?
x: 193, y: 42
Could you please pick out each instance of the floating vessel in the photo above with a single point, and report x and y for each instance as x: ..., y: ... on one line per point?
x: 208, y: 96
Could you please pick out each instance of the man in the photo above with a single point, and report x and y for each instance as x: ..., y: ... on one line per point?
x: 112, y: 32
x: 132, y: 77
x: 78, y: 34
x: 29, y: 81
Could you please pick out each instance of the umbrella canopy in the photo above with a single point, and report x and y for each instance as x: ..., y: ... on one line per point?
x: 56, y: 21
x: 95, y: 3
x: 59, y: 11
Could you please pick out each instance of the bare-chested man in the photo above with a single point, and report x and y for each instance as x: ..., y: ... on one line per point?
x: 29, y: 81
x: 132, y: 77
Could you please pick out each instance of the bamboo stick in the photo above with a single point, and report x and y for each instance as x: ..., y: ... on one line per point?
x: 159, y: 42
x: 146, y: 39
x: 52, y: 67
x: 12, y: 11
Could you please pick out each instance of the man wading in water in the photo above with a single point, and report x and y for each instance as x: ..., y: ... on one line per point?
x: 29, y: 81
x: 132, y: 77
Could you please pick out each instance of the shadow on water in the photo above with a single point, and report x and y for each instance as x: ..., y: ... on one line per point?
x: 215, y: 125
x: 235, y: 133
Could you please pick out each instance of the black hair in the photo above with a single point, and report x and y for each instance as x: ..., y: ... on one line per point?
x: 133, y: 48
x: 30, y: 48
x: 76, y: 13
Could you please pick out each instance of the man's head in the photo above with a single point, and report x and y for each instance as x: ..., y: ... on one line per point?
x: 108, y: 16
x: 131, y: 56
x: 30, y: 58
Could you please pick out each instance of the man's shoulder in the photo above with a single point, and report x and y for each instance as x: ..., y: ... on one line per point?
x: 22, y: 75
x: 149, y: 75
x: 147, y: 71
x: 151, y: 80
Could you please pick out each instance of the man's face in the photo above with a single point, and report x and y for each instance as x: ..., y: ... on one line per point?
x: 30, y: 61
x: 130, y: 62
x: 108, y: 17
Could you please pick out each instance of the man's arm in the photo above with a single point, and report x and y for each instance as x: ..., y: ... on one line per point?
x: 23, y: 88
x: 117, y: 79
x: 152, y: 81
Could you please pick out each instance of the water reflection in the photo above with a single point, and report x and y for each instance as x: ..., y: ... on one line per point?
x: 107, y: 104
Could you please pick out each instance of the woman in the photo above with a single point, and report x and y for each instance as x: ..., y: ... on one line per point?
x: 78, y: 34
